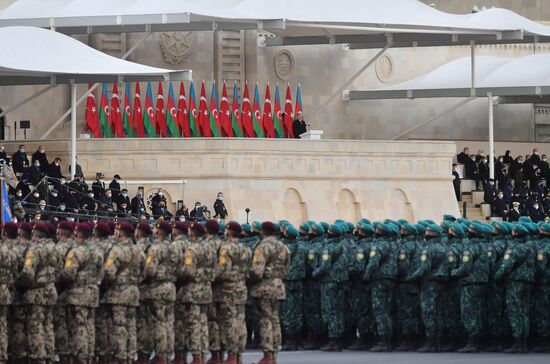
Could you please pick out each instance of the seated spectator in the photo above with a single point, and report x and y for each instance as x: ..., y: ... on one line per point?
x: 536, y: 213
x: 183, y: 211
x: 161, y: 212
x: 157, y: 198
x: 518, y: 198
x: 499, y: 207
x: 35, y: 173
x: 462, y: 157
x: 88, y: 203
x: 106, y: 202
x: 53, y: 199
x: 123, y: 198
x: 490, y: 191
x: 197, y: 214
x: 98, y: 186
x: 138, y: 205
x: 40, y: 155
x: 514, y: 214
x: 123, y: 211
x: 54, y: 170
x: 508, y: 158
x: 34, y: 199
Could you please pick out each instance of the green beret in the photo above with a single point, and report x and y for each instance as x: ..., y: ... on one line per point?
x: 283, y: 222
x: 460, y: 220
x: 502, y: 227
x: 410, y: 228
x: 446, y: 224
x: 246, y: 228
x: 291, y: 231
x: 390, y: 229
x: 257, y: 226
x: 305, y: 226
x: 424, y: 223
x: 459, y: 230
x: 430, y: 222
x: 532, y: 228
x: 524, y: 219
x: 449, y: 218
x: 222, y: 226
x: 467, y: 223
x: 421, y: 229
x: 343, y: 226
x: 339, y: 221
x: 319, y: 229
x: 389, y: 221
x: 545, y: 227
x: 402, y: 222
x: 337, y: 229
x: 365, y: 227
x: 350, y: 226
x: 325, y: 225
x: 366, y: 221
x: 520, y: 229
x: 434, y: 228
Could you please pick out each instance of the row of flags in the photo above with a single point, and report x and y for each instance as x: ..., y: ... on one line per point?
x: 120, y: 120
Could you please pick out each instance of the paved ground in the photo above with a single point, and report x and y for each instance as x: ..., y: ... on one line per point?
x: 348, y: 357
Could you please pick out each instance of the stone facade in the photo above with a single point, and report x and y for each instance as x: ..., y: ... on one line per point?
x: 281, y: 179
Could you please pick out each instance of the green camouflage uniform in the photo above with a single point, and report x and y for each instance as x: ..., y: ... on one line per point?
x: 292, y: 315
x: 541, y: 292
x: 312, y: 291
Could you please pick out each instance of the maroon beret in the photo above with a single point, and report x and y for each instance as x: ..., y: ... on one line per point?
x: 51, y: 228
x: 103, y: 228
x: 212, y: 226
x: 234, y: 227
x: 26, y: 226
x: 112, y: 226
x: 198, y: 229
x: 182, y: 226
x: 269, y: 228
x: 127, y: 227
x: 66, y: 225
x: 84, y: 227
x: 164, y: 226
x: 145, y: 228
x: 41, y: 226
x: 11, y: 228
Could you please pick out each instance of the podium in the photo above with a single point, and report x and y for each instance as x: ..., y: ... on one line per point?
x: 312, y: 135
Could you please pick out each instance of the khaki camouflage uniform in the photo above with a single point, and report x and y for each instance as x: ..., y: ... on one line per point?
x: 103, y: 323
x: 180, y: 340
x: 270, y: 263
x: 62, y: 347
x: 142, y: 326
x: 8, y: 270
x: 214, y: 339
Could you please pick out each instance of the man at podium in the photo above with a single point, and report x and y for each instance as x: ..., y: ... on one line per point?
x: 299, y: 125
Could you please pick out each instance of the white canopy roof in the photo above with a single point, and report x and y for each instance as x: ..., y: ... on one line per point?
x: 508, y: 77
x: 362, y: 23
x: 32, y: 55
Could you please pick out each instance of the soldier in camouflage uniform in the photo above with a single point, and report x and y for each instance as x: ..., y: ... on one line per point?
x: 360, y: 293
x: 83, y: 270
x: 158, y: 293
x: 213, y: 340
x: 292, y: 314
x: 232, y: 268
x: 333, y: 271
x: 9, y: 239
x: 473, y: 273
x: 103, y: 325
x: 180, y: 232
x: 8, y: 271
x: 541, y: 291
x: 195, y: 293
x: 381, y: 272
x: 433, y: 270
x: 39, y: 274
x: 408, y: 288
x: 122, y: 276
x: 143, y: 235
x: 65, y: 242
x: 19, y: 330
x: 270, y: 263
x: 312, y: 287
x: 518, y: 269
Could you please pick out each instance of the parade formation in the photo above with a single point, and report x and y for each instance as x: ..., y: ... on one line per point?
x: 106, y: 293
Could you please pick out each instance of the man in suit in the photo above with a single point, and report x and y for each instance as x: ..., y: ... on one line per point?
x: 464, y: 156
x: 299, y: 126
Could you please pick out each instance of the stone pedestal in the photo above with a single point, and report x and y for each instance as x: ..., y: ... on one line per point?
x: 312, y: 135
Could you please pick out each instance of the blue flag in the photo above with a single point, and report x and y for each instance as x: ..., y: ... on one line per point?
x: 6, y: 211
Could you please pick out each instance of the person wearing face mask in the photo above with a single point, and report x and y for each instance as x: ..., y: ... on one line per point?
x: 219, y: 207
x: 88, y: 203
x: 161, y: 212
x: 499, y: 207
x: 98, y: 186
x: 197, y: 214
x: 122, y: 198
x: 54, y: 170
x: 535, y: 157
x: 183, y: 212
x: 138, y: 205
x: 54, y: 199
x: 483, y: 168
x: 33, y: 199
x: 517, y: 171
x: 62, y: 210
x: 35, y: 173
x: 489, y: 191
x: 20, y: 161
x: 508, y: 158
x: 40, y: 155
x: 471, y: 170
x: 106, y: 201
x: 42, y: 212
x: 114, y: 186
x: 3, y: 154
x: 514, y: 214
x: 536, y: 212
x: 157, y: 198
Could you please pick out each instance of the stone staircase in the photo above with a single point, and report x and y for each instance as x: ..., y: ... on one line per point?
x: 472, y: 202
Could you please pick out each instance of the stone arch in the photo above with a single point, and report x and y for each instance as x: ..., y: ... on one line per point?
x: 400, y: 207
x: 348, y: 207
x: 294, y: 206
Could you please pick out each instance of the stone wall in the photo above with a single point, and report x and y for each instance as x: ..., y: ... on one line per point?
x: 276, y: 179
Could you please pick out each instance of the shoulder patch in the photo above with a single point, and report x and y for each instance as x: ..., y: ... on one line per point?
x: 540, y: 256
x: 372, y: 252
x: 311, y: 255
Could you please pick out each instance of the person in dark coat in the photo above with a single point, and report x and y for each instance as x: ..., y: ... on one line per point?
x: 471, y: 170
x: 114, y: 186
x: 219, y: 207
x: 40, y: 155
x: 508, y: 190
x: 88, y: 203
x: 53, y: 198
x: 54, y: 170
x: 535, y: 158
x: 3, y: 154
x: 197, y: 214
x: 137, y: 205
x: 161, y: 211
x: 158, y: 198
x: 98, y: 186
x: 517, y: 171
x: 536, y: 213
x: 35, y: 173
x: 19, y: 160
x: 464, y: 156
x: 456, y: 183
x: 123, y: 198
x: 183, y: 211
x: 508, y: 158
x: 299, y: 126
x: 490, y: 191
x: 499, y: 207
x: 514, y: 214
x: 483, y: 168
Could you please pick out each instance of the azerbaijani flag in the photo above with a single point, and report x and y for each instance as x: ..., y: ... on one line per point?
x: 246, y: 115
x: 277, y: 115
x: 160, y: 116
x: 127, y: 116
x: 183, y: 114
x: 289, y: 115
x: 267, y: 117
x: 172, y: 114
x: 257, y: 116
x: 298, y: 108
x: 214, y: 114
x: 235, y: 116
x: 193, y: 111
x: 138, y: 115
x: 105, y: 114
x: 225, y: 114
x: 149, y: 116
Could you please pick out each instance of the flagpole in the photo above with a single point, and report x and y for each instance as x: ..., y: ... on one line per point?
x: 73, y: 129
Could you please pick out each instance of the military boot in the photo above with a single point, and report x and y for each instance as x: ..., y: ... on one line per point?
x: 495, y: 345
x: 159, y: 360
x: 471, y: 347
x: 360, y: 344
x: 429, y: 346
x: 267, y: 359
x: 516, y: 348
x: 291, y: 343
x: 215, y: 358
x: 197, y: 359
x: 542, y: 346
x: 240, y: 359
x: 407, y: 344
x: 334, y: 344
x: 314, y: 343
x: 180, y: 358
x: 383, y: 345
